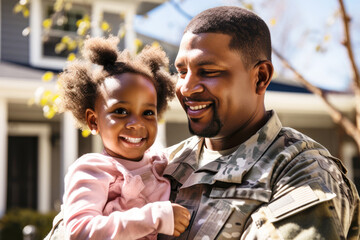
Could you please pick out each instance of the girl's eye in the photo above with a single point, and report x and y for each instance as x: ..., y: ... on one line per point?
x: 121, y: 111
x: 149, y: 113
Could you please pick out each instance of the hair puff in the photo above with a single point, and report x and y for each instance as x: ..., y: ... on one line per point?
x: 154, y: 57
x: 101, y: 51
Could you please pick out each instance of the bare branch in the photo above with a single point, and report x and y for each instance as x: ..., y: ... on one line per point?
x: 339, y: 118
x: 355, y: 70
x: 347, y: 43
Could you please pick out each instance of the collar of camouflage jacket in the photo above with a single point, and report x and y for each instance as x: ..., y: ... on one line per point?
x: 230, y: 168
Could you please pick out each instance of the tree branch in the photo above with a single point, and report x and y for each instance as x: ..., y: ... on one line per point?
x: 348, y: 45
x: 355, y: 71
x: 348, y: 126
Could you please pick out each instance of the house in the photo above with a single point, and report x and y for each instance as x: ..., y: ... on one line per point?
x: 35, y: 151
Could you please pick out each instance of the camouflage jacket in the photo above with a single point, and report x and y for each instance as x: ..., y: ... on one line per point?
x: 279, y: 184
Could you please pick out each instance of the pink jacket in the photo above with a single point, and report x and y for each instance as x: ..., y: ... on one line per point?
x: 110, y: 198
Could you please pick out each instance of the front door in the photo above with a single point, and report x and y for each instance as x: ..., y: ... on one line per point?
x: 22, y: 172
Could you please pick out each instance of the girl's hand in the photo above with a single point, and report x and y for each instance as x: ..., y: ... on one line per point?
x: 181, y: 219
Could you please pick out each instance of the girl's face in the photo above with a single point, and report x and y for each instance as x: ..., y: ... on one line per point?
x: 125, y: 115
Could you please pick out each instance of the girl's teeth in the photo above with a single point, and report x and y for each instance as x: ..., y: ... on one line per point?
x: 133, y: 140
x: 198, y: 107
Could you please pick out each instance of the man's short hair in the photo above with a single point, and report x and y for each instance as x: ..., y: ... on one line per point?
x: 250, y: 34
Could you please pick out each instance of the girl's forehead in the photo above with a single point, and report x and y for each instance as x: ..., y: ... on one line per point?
x: 126, y: 83
x: 112, y: 82
x: 116, y: 83
x: 127, y: 79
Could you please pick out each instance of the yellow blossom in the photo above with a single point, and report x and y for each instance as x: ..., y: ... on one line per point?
x: 71, y: 57
x: 58, y: 5
x: 155, y: 44
x: 46, y: 98
x: 327, y: 37
x: 105, y: 26
x: 48, y: 76
x: 18, y: 8
x: 138, y: 43
x: 55, y: 97
x: 60, y: 47
x: 26, y: 12
x: 122, y: 33
x: 71, y: 45
x: 47, y: 23
x: 272, y: 22
x: 49, y: 112
x: 68, y: 6
x: 248, y: 6
x: 65, y: 39
x: 85, y: 133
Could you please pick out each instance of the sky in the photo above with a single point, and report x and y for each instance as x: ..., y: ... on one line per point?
x: 300, y: 28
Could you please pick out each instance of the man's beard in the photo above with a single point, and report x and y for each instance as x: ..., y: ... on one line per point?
x: 209, y: 131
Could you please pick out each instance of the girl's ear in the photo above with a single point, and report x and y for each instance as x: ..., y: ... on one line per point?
x: 91, y: 120
x: 265, y: 72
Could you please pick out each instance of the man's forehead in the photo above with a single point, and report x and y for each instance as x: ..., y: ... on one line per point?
x: 195, y: 57
x: 194, y: 40
x: 202, y: 47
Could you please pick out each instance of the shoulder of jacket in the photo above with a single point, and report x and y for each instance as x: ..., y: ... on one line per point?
x: 189, y: 143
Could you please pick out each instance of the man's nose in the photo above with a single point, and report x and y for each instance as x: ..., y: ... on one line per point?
x: 190, y: 84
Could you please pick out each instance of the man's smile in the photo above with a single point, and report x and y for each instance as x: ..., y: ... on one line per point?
x: 197, y: 109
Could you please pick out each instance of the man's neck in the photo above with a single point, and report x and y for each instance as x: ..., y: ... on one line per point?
x: 237, y: 137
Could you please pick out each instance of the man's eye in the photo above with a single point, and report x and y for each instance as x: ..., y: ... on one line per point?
x: 149, y: 113
x: 211, y: 73
x: 121, y: 111
x: 182, y: 74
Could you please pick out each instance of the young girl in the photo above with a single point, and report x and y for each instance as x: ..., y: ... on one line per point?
x: 119, y: 194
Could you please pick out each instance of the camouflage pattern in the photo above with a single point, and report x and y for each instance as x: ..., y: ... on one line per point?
x: 279, y: 184
x: 57, y: 231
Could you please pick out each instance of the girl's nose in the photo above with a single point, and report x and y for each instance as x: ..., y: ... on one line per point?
x: 135, y: 123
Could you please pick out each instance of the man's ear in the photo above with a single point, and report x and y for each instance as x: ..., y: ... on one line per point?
x: 91, y: 119
x: 265, y: 71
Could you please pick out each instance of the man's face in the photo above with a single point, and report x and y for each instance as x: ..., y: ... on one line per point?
x: 216, y: 90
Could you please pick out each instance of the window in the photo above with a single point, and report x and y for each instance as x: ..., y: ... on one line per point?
x: 66, y: 27
x: 43, y: 43
x: 119, y: 14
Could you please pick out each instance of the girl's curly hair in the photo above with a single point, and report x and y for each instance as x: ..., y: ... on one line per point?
x: 80, y: 80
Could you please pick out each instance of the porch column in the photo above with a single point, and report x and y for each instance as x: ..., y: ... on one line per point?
x: 96, y: 16
x: 3, y: 154
x: 161, y: 135
x: 69, y: 146
x: 130, y: 35
x: 96, y: 144
x: 44, y: 183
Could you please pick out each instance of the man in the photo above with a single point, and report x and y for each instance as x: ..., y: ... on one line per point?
x: 244, y: 176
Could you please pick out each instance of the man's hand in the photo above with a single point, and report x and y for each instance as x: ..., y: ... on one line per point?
x: 181, y: 219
